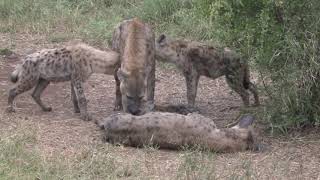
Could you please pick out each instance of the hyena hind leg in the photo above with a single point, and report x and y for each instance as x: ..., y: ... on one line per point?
x: 237, y: 85
x: 254, y: 90
x: 192, y: 79
x: 22, y: 86
x: 41, y: 86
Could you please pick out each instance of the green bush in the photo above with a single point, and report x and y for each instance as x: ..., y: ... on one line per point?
x: 282, y: 40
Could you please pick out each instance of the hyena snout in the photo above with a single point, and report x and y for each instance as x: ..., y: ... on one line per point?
x: 134, y: 106
x: 134, y: 110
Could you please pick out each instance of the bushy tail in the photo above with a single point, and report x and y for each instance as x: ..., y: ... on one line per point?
x: 15, y: 74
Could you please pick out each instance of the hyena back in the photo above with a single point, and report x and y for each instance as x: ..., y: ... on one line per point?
x: 135, y: 79
x: 196, y: 59
x: 73, y: 63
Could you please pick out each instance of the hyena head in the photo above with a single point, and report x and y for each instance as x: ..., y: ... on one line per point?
x: 168, y: 49
x: 132, y: 87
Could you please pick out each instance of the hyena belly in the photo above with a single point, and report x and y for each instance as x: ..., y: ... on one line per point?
x: 173, y: 131
x: 135, y: 78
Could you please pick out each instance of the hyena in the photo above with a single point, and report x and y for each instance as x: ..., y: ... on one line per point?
x: 195, y: 59
x: 135, y: 79
x: 174, y: 131
x: 73, y: 63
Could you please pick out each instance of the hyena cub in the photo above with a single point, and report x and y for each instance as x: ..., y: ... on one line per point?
x: 196, y: 59
x: 73, y: 63
x: 135, y: 79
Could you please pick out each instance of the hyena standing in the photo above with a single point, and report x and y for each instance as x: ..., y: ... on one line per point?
x: 195, y: 59
x: 135, y: 79
x: 74, y: 62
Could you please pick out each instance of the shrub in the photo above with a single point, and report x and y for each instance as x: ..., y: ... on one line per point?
x: 282, y: 40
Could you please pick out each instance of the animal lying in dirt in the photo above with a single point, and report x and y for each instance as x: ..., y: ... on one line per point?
x: 195, y: 59
x: 174, y: 131
x: 73, y: 63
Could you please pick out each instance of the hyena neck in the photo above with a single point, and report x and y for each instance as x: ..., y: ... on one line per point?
x: 135, y: 49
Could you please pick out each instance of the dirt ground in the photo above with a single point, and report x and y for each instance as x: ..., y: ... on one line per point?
x: 62, y: 132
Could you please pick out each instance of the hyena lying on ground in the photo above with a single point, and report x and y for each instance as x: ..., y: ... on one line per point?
x: 195, y: 59
x: 174, y: 131
x: 75, y: 62
x: 135, y: 79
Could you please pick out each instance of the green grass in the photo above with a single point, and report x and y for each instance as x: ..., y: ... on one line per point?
x: 21, y: 159
x: 94, y: 20
x: 197, y: 165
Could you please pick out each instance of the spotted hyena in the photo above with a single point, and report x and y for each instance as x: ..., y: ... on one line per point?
x: 196, y: 59
x: 174, y: 131
x: 135, y: 79
x: 73, y: 63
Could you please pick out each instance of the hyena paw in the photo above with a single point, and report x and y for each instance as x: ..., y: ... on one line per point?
x: 47, y: 109
x: 76, y: 110
x: 260, y: 148
x: 86, y: 117
x: 117, y: 108
x: 191, y: 109
x: 256, y: 104
x: 10, y: 109
x: 149, y: 106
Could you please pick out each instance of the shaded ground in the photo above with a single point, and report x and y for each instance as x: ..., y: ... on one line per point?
x: 62, y: 132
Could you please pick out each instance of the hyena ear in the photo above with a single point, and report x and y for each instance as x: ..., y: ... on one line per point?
x: 246, y: 121
x: 161, y: 39
x: 121, y: 75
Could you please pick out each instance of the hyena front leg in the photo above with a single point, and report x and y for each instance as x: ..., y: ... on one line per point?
x: 25, y: 84
x: 82, y: 101
x: 118, y: 102
x: 151, y: 79
x: 192, y: 79
x: 74, y: 99
x: 41, y: 86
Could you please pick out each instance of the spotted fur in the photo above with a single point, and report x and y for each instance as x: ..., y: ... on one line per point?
x: 73, y: 63
x: 195, y: 59
x: 175, y: 131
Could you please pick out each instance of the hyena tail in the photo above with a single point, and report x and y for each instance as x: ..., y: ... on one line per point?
x: 246, y: 78
x: 16, y: 73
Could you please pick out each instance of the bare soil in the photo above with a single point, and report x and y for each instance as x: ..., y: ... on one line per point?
x: 62, y: 132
